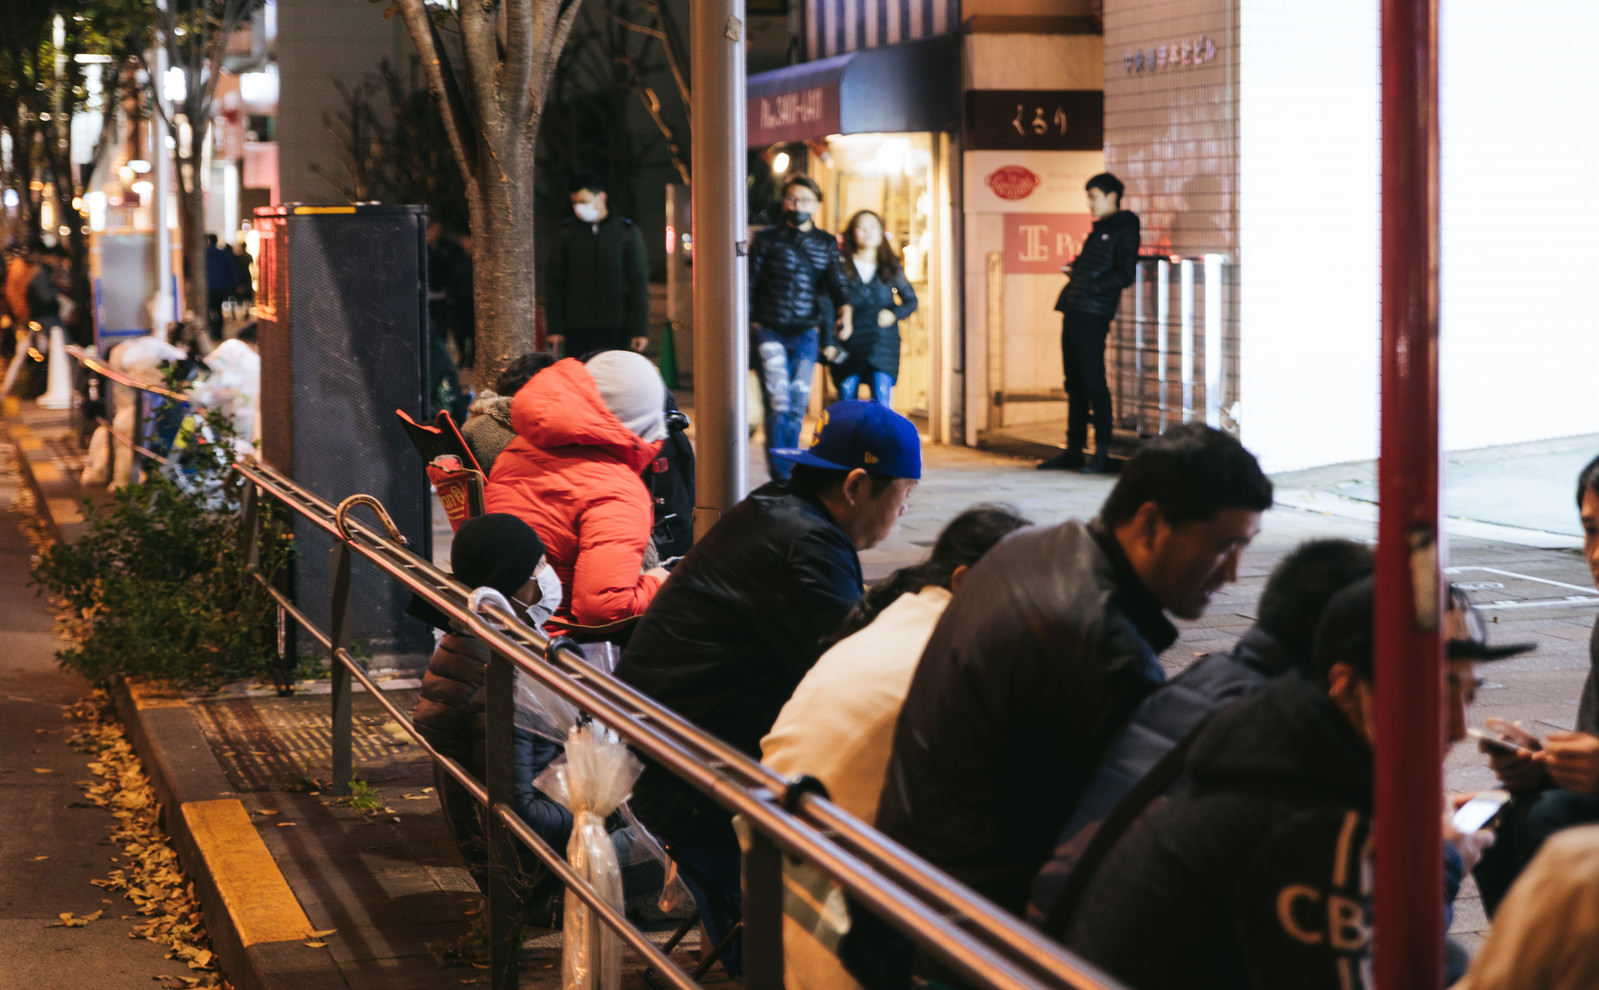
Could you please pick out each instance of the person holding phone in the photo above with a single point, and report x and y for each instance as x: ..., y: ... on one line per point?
x: 1553, y: 781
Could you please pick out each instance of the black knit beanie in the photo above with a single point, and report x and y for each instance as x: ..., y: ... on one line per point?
x: 496, y: 551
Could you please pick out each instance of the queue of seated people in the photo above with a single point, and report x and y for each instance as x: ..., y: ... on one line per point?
x: 1000, y: 708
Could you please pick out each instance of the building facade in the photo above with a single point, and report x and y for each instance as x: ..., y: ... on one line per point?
x: 967, y: 126
x: 1247, y: 132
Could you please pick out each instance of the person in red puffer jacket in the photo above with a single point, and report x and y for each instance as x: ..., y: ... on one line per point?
x: 584, y: 434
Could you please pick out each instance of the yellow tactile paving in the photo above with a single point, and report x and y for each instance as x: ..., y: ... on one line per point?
x: 147, y: 695
x: 64, y: 511
x: 255, y: 895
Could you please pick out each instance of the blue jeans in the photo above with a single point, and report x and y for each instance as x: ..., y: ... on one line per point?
x: 882, y: 384
x: 787, y: 365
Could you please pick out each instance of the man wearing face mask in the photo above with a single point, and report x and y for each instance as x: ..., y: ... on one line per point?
x: 596, y: 291
x: 793, y: 265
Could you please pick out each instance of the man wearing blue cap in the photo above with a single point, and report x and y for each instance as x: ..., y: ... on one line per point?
x: 738, y: 624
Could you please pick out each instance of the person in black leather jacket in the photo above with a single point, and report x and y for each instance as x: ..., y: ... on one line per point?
x: 1098, y: 275
x: 1278, y: 643
x: 795, y: 272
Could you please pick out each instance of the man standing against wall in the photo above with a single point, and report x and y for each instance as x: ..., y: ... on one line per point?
x: 598, y: 294
x: 1096, y: 279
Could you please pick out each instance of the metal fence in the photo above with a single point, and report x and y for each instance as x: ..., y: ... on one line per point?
x: 1174, y: 340
x: 967, y: 933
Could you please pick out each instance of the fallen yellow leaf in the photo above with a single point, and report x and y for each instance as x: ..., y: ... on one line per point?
x: 42, y: 770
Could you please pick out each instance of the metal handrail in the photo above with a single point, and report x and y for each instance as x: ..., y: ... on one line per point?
x: 864, y: 862
x: 861, y: 859
x: 99, y: 367
x: 964, y: 930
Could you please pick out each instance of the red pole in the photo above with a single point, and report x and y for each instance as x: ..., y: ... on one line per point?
x: 1408, y: 915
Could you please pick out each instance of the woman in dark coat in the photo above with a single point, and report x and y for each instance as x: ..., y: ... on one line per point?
x: 868, y: 350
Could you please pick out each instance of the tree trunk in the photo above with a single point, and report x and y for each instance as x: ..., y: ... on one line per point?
x: 191, y: 218
x: 502, y: 256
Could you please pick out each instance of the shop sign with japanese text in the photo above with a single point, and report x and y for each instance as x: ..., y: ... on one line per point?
x: 1035, y: 119
x: 1040, y: 243
x: 793, y: 116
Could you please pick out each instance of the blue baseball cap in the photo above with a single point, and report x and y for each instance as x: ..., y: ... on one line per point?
x: 855, y: 434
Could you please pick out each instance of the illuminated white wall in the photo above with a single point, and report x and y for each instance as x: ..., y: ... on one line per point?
x: 1309, y: 233
x: 1519, y: 348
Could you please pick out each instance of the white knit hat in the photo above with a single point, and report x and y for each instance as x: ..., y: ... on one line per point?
x: 632, y: 390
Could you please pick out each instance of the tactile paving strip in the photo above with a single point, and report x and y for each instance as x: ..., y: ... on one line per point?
x: 271, y: 744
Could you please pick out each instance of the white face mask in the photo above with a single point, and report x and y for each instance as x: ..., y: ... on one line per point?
x: 587, y: 212
x: 549, y: 595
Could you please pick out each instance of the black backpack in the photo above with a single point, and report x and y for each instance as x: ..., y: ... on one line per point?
x: 670, y: 478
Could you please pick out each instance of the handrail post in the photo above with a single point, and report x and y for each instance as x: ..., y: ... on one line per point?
x: 504, y: 906
x: 763, y: 905
x: 250, y: 526
x: 133, y: 439
x: 343, y: 720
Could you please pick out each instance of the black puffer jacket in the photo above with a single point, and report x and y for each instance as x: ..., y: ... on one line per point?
x: 1032, y: 669
x: 450, y: 715
x: 1104, y: 267
x: 730, y: 635
x: 790, y: 270
x: 871, y: 347
x: 1256, y: 878
x: 1161, y: 721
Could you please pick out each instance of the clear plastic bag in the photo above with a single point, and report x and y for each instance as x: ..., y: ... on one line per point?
x: 594, y: 780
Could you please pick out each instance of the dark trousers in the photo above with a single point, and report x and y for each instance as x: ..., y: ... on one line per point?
x: 1082, y: 351
x: 213, y: 310
x: 581, y: 341
x: 1526, y: 822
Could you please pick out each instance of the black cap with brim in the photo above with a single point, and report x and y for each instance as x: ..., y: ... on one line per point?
x: 1466, y: 634
x: 1345, y: 633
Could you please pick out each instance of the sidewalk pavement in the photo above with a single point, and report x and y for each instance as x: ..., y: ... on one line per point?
x: 303, y: 893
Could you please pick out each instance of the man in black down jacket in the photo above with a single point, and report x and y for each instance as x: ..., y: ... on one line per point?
x: 792, y: 267
x: 737, y: 625
x: 1047, y: 648
x: 1098, y: 275
x: 1259, y: 876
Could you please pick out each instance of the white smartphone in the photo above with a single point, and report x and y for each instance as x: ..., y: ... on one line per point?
x: 1479, y: 811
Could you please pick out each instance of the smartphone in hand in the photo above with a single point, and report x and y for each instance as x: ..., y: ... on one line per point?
x: 1514, y: 732
x: 1479, y: 811
x: 1498, y: 743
